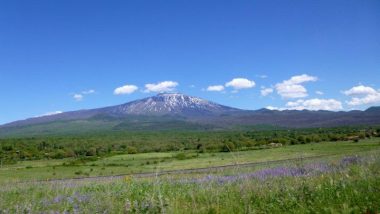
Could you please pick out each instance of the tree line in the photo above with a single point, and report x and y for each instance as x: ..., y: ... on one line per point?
x: 109, y: 143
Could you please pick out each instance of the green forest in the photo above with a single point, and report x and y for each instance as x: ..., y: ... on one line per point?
x: 104, y: 144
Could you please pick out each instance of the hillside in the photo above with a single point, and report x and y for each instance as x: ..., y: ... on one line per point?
x: 174, y: 111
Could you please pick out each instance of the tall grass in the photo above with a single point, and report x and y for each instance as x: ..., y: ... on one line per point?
x: 348, y: 185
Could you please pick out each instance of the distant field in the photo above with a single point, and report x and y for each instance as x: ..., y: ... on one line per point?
x: 156, y: 162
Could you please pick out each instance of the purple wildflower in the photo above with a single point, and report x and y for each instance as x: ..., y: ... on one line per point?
x: 58, y: 199
x: 311, y: 169
x: 349, y: 161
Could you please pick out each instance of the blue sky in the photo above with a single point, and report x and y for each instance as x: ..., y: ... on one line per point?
x: 73, y: 54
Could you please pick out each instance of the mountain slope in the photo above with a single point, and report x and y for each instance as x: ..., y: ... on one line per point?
x: 174, y: 111
x: 170, y: 104
x: 305, y: 118
x: 164, y: 104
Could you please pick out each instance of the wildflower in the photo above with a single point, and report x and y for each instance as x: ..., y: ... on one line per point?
x: 349, y: 161
x: 58, y: 199
x: 127, y: 179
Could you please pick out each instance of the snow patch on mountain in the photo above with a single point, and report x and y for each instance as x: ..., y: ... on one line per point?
x: 171, y: 103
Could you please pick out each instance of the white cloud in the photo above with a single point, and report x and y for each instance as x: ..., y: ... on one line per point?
x: 315, y: 105
x: 91, y: 91
x: 291, y: 91
x: 263, y: 76
x: 311, y: 104
x: 78, y: 97
x: 50, y: 113
x: 215, y: 88
x: 292, y: 87
x: 360, y: 90
x: 266, y: 91
x: 273, y: 108
x: 240, y: 83
x: 369, y: 99
x: 126, y: 89
x: 362, y: 95
x: 165, y: 86
x: 301, y: 79
x: 319, y: 92
x: 53, y: 113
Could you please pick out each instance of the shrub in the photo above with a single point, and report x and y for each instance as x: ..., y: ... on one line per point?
x: 132, y: 150
x: 228, y: 147
x: 180, y: 156
x: 91, y: 152
x: 79, y: 172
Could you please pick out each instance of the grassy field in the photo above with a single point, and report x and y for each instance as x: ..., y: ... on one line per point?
x: 344, y: 183
x: 156, y: 162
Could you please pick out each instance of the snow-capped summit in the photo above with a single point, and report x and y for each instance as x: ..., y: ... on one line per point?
x: 171, y: 109
x: 171, y: 103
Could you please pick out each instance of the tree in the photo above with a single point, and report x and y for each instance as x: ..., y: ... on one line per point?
x: 228, y: 147
x: 91, y: 152
x: 132, y: 150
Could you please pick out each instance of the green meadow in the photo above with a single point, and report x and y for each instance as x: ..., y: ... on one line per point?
x: 153, y: 162
x: 346, y: 180
x: 164, y: 161
x: 318, y: 177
